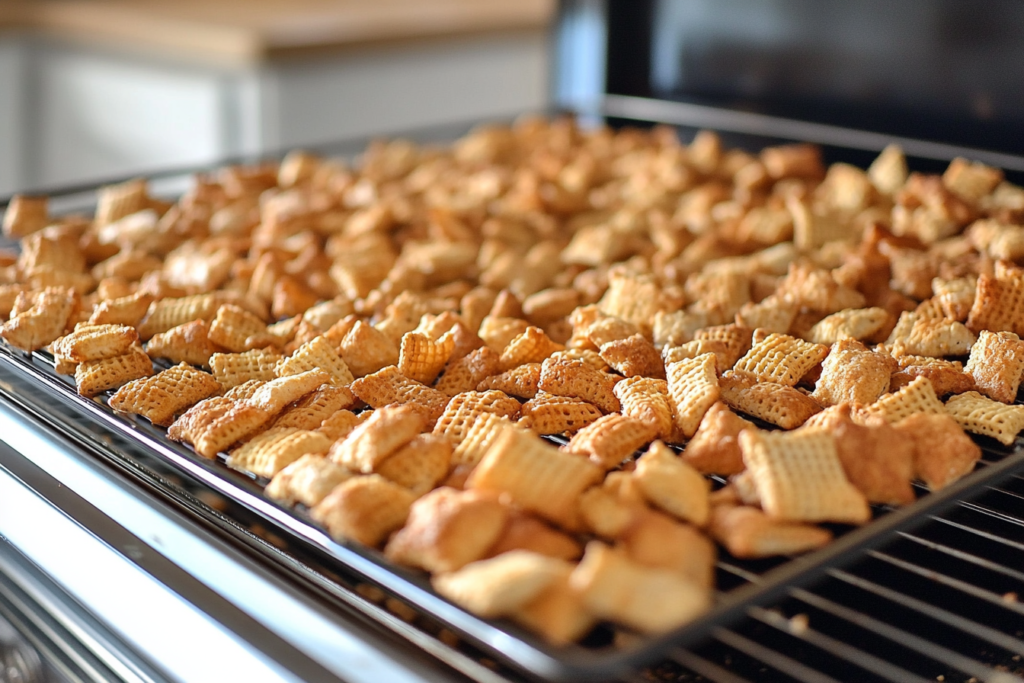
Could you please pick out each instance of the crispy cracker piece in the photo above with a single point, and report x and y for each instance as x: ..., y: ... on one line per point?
x: 465, y: 409
x: 549, y: 414
x: 419, y: 465
x: 799, y: 477
x: 916, y: 397
x: 96, y: 376
x: 980, y: 415
x: 930, y: 337
x: 667, y: 482
x: 833, y: 416
x: 240, y: 422
x: 693, y: 387
x: 657, y: 540
x: 998, y: 305
x: 749, y: 533
x: 245, y: 390
x: 781, y: 359
x: 611, y: 509
x: 634, y: 357
x: 532, y: 346
x: 232, y: 369
x: 188, y: 343
x: 125, y: 310
x: 384, y: 432
x: 95, y: 342
x: 647, y: 399
x: 478, y: 439
x: 317, y: 354
x: 447, y: 529
x: 273, y: 450
x: 996, y: 365
x: 498, y: 332
x: 25, y: 215
x: 817, y: 290
x: 167, y: 313
x: 956, y: 296
x: 611, y: 439
x: 466, y: 373
x: 422, y: 358
x: 606, y: 329
x: 114, y: 202
x: 588, y: 356
x: 947, y: 377
x: 522, y: 381
x: 538, y: 477
x: 41, y: 322
x: 501, y: 585
x: 237, y: 330
x: 775, y: 314
x: 526, y: 532
x: 557, y: 613
x: 341, y: 423
x: 161, y: 397
x: 775, y: 403
x: 364, y: 509
x: 878, y: 460
x: 197, y: 418
x: 971, y: 180
x: 888, y: 172
x: 853, y: 374
x: 580, y: 380
x: 634, y: 298
x: 697, y: 348
x: 715, y: 448
x: 311, y: 410
x: 308, y: 480
x: 853, y: 323
x: 643, y: 598
x: 389, y: 386
x: 736, y: 339
x: 276, y: 395
x: 942, y: 452
x: 366, y: 349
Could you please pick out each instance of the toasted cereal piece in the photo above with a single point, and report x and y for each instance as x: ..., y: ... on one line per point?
x: 677, y: 327
x: 916, y: 397
x: 588, y: 356
x: 657, y: 540
x: 667, y: 482
x: 366, y: 350
x: 737, y: 340
x: 956, y: 297
x: 95, y: 342
x: 833, y: 416
x: 775, y: 314
x: 114, y: 202
x: 41, y: 322
x: 308, y: 480
x: 607, y: 329
x: 96, y: 376
x: 634, y: 357
x: 580, y: 380
x: 888, y: 172
x: 775, y: 403
x: 853, y: 374
x: 947, y: 377
x: 273, y: 450
x: 971, y: 180
x: 237, y: 330
x: 532, y: 346
x: 239, y: 422
x: 245, y: 390
x: 697, y: 348
x: 317, y: 354
x: 25, y: 215
x: 63, y: 366
x: 878, y: 460
x: 611, y: 439
x: 277, y: 394
x: 9, y: 295
x: 447, y: 529
x: 498, y: 332
x: 799, y: 477
x: 419, y: 465
x: 466, y: 373
x: 478, y: 439
x: 466, y: 408
x: 549, y: 414
x: 522, y: 381
x: 942, y: 452
x: 526, y: 532
x: 557, y: 613
x: 188, y: 343
x: 167, y: 313
x: 284, y: 331
x: 781, y: 359
x: 748, y: 533
x: 941, y: 337
x: 388, y: 386
x: 611, y: 509
x: 647, y: 400
x: 51, y: 254
x: 715, y: 448
x: 538, y: 477
x: 161, y: 397
x: 232, y: 369
x: 647, y: 599
x: 817, y: 290
x: 634, y: 298
x: 384, y: 432
x: 855, y: 323
x: 364, y: 509
x: 693, y: 387
x: 500, y: 585
x: 341, y: 423
x: 980, y: 415
x: 311, y: 411
x: 996, y: 365
x: 422, y: 358
x: 126, y: 310
x: 197, y: 418
x: 998, y: 305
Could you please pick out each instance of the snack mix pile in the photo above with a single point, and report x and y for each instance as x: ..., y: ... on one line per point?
x: 386, y: 345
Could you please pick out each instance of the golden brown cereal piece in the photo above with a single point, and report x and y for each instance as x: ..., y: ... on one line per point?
x: 538, y: 477
x: 277, y: 394
x: 239, y: 422
x: 775, y: 403
x: 291, y: 297
x: 126, y: 310
x: 522, y: 381
x: 25, y: 215
x: 500, y: 585
x: 364, y: 509
x: 888, y: 172
x: 656, y: 540
x: 947, y: 377
x: 366, y: 349
x: 667, y: 482
x: 854, y: 323
x: 781, y: 359
x: 465, y: 409
x: 498, y: 332
x: 996, y: 365
x: 697, y: 348
x: 41, y: 322
x: 550, y: 305
x: 677, y: 327
x: 607, y: 329
x: 161, y: 397
x: 8, y: 295
x: 715, y: 448
x: 419, y: 465
x: 580, y: 380
x: 388, y: 386
x: 557, y: 613
x: 95, y: 342
x: 775, y: 314
x: 878, y: 460
x: 833, y: 416
x: 916, y: 397
x: 447, y: 529
x: 96, y: 376
x: 956, y: 297
x: 647, y: 599
x: 197, y: 418
x: 647, y: 400
x: 422, y: 358
x: 52, y: 254
x: 611, y: 439
x: 611, y: 509
x: 942, y: 452
x: 588, y: 356
x: 634, y: 298
x: 284, y: 332
x: 190, y: 343
x: 693, y: 387
x: 478, y: 440
x: 634, y: 357
x: 373, y: 441
x: 737, y: 340
x: 817, y: 290
x: 941, y: 337
x: 308, y: 480
x: 168, y: 313
x: 273, y: 450
x: 549, y: 414
x: 971, y: 180
x: 799, y: 477
x: 853, y: 374
x: 466, y: 373
x: 317, y: 354
x: 114, y: 202
x: 340, y: 424
x: 311, y: 411
x: 237, y: 330
x: 526, y: 532
x: 980, y: 415
x: 998, y: 306
x: 532, y: 346
x: 748, y: 533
